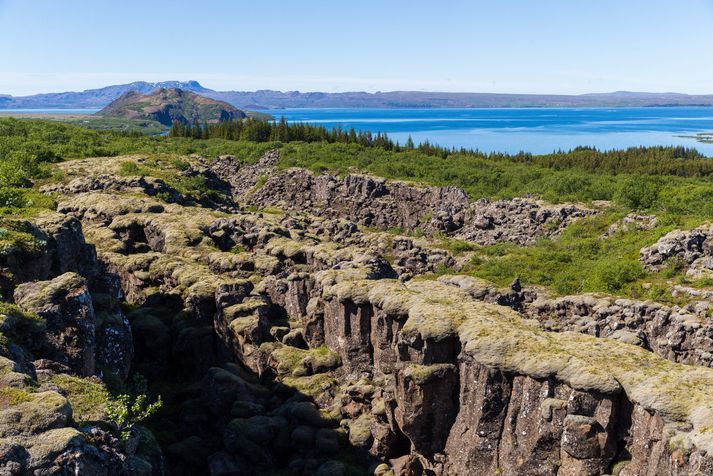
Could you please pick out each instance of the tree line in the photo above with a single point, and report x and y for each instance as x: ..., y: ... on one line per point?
x: 660, y: 160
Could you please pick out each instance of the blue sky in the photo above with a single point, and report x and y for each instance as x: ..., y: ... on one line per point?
x: 528, y: 46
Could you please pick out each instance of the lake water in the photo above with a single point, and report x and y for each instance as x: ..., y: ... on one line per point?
x: 535, y: 130
x: 9, y: 112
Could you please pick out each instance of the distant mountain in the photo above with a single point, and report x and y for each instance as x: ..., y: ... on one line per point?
x: 172, y: 104
x: 268, y: 99
x: 94, y: 98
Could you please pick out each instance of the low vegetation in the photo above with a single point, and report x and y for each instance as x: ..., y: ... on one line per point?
x: 672, y: 182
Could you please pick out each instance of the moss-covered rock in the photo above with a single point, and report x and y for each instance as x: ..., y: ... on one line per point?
x: 31, y: 413
x: 360, y: 431
x: 87, y: 396
x: 48, y: 445
x: 301, y: 362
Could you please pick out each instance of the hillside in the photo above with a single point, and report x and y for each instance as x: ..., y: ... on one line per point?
x: 268, y: 99
x: 168, y: 105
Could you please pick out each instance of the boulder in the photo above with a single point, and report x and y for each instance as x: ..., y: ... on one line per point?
x: 66, y: 306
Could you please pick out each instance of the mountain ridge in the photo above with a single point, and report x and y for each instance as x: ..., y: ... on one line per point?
x: 272, y: 99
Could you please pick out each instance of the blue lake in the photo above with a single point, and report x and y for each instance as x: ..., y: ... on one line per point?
x: 9, y: 112
x: 536, y: 130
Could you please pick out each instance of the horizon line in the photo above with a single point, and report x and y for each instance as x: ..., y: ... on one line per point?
x: 348, y: 91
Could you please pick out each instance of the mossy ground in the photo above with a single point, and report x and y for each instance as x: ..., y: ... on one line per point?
x: 10, y: 397
x: 88, y: 397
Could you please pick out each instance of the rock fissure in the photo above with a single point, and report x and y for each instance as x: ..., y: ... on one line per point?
x: 298, y: 342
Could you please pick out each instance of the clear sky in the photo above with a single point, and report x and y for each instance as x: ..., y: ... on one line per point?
x: 527, y: 46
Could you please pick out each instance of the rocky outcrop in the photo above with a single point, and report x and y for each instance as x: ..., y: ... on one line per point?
x: 689, y: 249
x: 65, y: 323
x: 525, y: 401
x: 371, y: 201
x: 677, y: 333
x: 65, y: 305
x: 632, y: 222
x: 307, y: 344
x: 56, y: 246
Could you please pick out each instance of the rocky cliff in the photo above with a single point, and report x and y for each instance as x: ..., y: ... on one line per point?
x: 289, y: 332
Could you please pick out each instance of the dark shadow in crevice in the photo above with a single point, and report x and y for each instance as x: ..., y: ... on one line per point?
x: 222, y: 418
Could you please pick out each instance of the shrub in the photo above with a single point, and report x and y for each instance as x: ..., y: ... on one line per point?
x: 613, y: 274
x: 638, y: 193
x: 128, y: 409
x: 129, y: 168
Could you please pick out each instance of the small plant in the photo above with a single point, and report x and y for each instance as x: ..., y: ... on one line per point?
x: 129, y: 168
x: 129, y: 409
x: 673, y: 267
x: 261, y: 180
x: 237, y: 249
x: 180, y: 164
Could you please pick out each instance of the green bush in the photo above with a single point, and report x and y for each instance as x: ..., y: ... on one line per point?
x: 613, y: 274
x: 128, y: 409
x: 638, y: 193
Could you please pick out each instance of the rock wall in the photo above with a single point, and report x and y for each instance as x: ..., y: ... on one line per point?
x: 286, y: 341
x: 691, y: 249
x: 677, y: 333
x: 376, y: 202
x: 474, y: 412
x: 65, y: 323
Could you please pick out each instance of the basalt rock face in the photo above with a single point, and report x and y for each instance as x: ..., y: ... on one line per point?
x: 492, y: 407
x: 300, y: 343
x: 677, y: 333
x: 66, y: 307
x: 372, y: 201
x: 63, y: 326
x: 61, y: 248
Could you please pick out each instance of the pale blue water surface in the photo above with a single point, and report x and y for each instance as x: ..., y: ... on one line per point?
x: 535, y: 130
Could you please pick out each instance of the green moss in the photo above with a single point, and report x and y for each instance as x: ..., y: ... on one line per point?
x: 422, y: 374
x: 617, y: 467
x: 284, y: 247
x: 88, y: 396
x: 247, y: 307
x: 46, y: 291
x: 237, y: 249
x: 360, y: 431
x: 313, y: 385
x: 240, y: 324
x: 10, y: 396
x: 261, y: 181
x: 19, y: 235
x: 298, y: 362
x: 18, y: 325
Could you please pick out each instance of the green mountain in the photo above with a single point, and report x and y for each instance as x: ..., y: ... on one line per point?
x: 168, y: 105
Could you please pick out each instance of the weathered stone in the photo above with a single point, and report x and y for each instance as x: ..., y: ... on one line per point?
x: 66, y: 306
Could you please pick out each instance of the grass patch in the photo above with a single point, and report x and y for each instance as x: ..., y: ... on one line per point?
x: 88, y: 397
x: 9, y: 397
